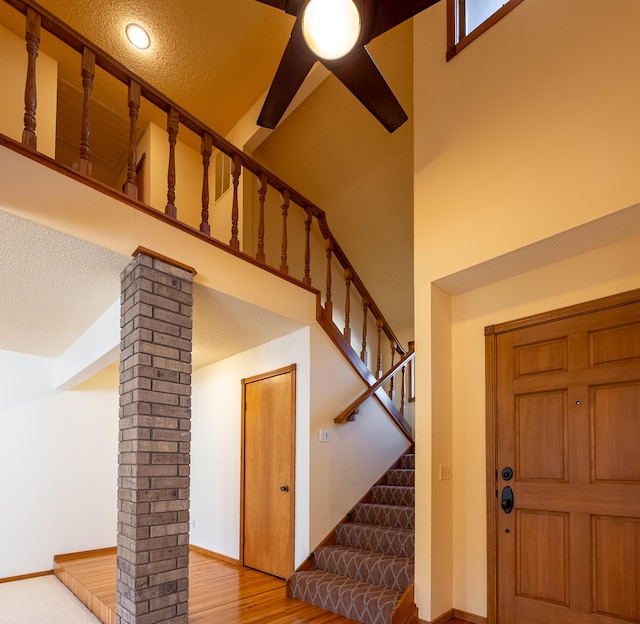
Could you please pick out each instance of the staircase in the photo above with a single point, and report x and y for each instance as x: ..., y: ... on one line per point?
x: 367, y: 573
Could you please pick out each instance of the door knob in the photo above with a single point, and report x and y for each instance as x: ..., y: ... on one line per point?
x: 284, y: 488
x: 507, y: 500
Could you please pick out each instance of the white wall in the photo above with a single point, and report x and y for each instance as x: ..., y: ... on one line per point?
x: 58, y: 464
x: 358, y: 453
x: 330, y: 477
x: 216, y: 443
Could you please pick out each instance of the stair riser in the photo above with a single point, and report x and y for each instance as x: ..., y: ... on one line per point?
x: 408, y: 461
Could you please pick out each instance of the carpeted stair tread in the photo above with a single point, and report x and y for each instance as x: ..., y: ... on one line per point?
x: 369, y: 567
x: 393, y: 495
x: 401, y: 476
x: 388, y: 571
x: 364, y: 602
x: 396, y: 516
x: 377, y: 538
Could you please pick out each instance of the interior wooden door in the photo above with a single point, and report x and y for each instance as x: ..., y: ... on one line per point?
x: 268, y: 512
x: 566, y: 515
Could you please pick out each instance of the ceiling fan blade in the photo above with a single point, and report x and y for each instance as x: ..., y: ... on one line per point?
x: 363, y: 78
x: 295, y: 64
x: 390, y: 13
x: 288, y: 6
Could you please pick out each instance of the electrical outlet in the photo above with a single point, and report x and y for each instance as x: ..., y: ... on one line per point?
x: 324, y: 435
x: 445, y: 472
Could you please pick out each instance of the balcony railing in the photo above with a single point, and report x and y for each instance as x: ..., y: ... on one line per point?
x: 261, y: 218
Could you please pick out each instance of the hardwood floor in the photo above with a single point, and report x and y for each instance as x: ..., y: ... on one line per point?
x: 219, y: 592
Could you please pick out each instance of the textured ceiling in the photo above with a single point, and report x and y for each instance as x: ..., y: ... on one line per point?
x: 54, y: 286
x: 215, y: 58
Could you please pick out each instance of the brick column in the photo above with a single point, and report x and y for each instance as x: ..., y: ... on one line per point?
x: 155, y: 438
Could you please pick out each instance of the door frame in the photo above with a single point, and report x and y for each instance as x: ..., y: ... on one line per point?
x: 491, y: 333
x: 292, y: 368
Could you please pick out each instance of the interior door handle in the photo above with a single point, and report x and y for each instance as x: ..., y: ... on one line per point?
x: 506, y: 501
x: 284, y: 488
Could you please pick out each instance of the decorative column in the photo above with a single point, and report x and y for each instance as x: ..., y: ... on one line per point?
x: 155, y: 439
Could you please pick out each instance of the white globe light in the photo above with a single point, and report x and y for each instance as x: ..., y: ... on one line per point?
x: 331, y: 27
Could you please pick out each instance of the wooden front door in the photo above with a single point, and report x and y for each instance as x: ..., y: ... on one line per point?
x: 564, y: 460
x: 268, y: 474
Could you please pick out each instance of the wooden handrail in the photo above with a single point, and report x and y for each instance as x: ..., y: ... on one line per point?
x: 92, y: 56
x: 346, y: 413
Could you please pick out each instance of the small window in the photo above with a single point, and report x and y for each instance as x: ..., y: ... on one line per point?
x: 222, y: 174
x: 468, y: 19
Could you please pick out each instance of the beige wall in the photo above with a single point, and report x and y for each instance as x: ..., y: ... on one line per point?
x: 527, y: 132
x: 526, y: 155
x: 604, y: 271
x: 334, y: 152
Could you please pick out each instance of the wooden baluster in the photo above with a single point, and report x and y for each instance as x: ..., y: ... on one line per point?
x: 206, y: 147
x: 347, y: 304
x: 32, y: 38
x: 173, y: 122
x: 130, y: 186
x: 392, y: 381
x: 262, y: 194
x: 88, y: 74
x: 403, y: 394
x: 365, y: 313
x: 306, y: 280
x: 328, y: 304
x: 379, y: 354
x: 284, y: 267
x: 236, y: 170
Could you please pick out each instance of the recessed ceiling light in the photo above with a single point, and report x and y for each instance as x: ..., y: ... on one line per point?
x: 138, y: 36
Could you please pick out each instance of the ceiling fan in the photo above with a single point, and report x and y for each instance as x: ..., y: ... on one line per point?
x: 354, y: 23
